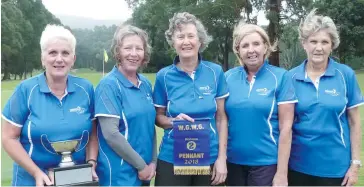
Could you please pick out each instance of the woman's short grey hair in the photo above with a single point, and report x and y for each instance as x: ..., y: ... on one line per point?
x: 54, y: 32
x: 128, y: 30
x: 186, y: 18
x: 243, y: 29
x: 314, y: 23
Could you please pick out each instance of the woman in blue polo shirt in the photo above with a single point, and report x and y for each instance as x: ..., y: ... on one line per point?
x: 188, y: 89
x: 260, y: 110
x: 326, y: 132
x: 125, y: 112
x: 50, y: 107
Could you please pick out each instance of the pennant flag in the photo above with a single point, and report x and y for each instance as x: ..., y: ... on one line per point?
x: 191, y: 147
x: 106, y: 58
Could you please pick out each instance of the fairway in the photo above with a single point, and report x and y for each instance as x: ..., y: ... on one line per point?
x: 7, y: 89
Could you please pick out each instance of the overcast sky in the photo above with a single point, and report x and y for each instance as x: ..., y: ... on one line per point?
x: 101, y: 9
x: 96, y: 9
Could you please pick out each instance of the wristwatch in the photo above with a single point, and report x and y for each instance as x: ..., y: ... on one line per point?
x: 357, y: 162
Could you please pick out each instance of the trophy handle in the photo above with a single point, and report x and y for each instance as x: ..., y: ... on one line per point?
x: 83, y: 141
x: 48, y: 146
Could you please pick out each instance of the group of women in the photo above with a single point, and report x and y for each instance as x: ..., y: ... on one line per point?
x: 268, y: 126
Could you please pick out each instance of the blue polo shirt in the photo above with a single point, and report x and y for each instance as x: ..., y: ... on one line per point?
x: 117, y: 97
x: 193, y: 95
x: 252, y: 110
x: 43, y: 118
x: 321, y: 136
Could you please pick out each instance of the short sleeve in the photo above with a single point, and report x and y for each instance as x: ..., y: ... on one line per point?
x: 354, y: 94
x: 159, y: 92
x: 16, y: 109
x: 285, y: 92
x: 107, y: 102
x: 222, y: 88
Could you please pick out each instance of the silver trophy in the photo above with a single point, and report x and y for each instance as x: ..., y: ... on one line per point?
x: 69, y: 173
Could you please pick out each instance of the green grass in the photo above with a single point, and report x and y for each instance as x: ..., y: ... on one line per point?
x: 7, y: 88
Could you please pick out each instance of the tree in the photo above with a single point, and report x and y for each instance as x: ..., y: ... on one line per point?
x: 23, y: 23
x: 274, y: 9
x: 350, y: 23
x: 90, y: 47
x: 219, y: 17
x: 12, y: 40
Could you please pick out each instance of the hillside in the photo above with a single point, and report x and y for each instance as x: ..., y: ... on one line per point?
x: 76, y: 22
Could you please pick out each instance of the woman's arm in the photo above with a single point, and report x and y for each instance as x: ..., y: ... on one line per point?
x: 162, y: 120
x: 221, y: 124
x: 113, y: 137
x: 285, y: 116
x: 165, y: 122
x: 355, y: 132
x: 155, y: 152
x: 93, y: 149
x: 219, y: 171
x: 15, y: 150
x: 351, y: 176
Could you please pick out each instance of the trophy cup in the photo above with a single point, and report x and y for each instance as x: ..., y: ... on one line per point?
x: 68, y: 173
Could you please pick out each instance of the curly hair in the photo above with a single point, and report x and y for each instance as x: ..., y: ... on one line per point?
x: 186, y: 18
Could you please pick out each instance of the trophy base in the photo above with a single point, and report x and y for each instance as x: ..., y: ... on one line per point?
x: 77, y: 175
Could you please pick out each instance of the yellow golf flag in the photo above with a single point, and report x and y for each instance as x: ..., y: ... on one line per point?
x: 106, y: 58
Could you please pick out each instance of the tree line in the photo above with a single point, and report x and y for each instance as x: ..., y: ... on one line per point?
x: 23, y: 21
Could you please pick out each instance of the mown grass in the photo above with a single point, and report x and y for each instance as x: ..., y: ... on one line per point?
x: 7, y: 88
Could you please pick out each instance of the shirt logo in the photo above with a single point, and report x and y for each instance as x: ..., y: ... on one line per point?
x: 332, y: 92
x: 206, y: 90
x: 263, y: 91
x: 78, y: 110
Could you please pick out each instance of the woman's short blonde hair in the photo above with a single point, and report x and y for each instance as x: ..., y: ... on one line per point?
x: 186, y: 18
x: 128, y: 30
x: 243, y: 29
x: 314, y: 23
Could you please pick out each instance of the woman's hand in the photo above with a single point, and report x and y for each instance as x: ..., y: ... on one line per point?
x: 351, y: 176
x: 145, y: 173
x: 94, y: 174
x: 219, y: 171
x: 41, y: 178
x: 183, y: 116
x: 152, y: 171
x: 280, y: 179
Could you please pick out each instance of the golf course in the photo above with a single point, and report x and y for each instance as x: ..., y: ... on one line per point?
x: 7, y: 88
